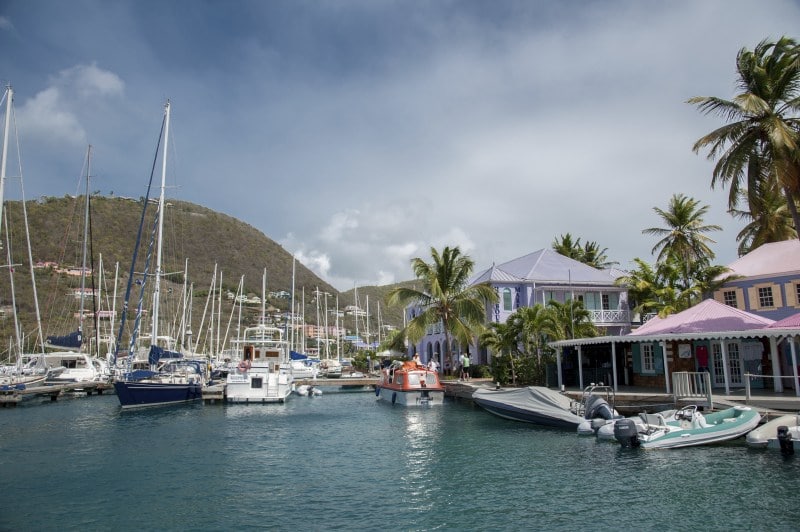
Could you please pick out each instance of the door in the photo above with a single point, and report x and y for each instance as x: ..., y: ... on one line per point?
x: 734, y: 365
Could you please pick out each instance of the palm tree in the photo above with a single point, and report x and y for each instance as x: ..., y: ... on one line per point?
x: 760, y: 142
x: 683, y: 240
x: 531, y: 325
x: 502, y: 338
x: 590, y: 253
x: 569, y: 320
x: 768, y: 217
x: 446, y: 298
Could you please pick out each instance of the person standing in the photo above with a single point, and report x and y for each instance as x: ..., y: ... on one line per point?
x: 465, y: 366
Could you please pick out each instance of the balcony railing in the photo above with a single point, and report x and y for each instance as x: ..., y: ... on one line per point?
x: 610, y: 316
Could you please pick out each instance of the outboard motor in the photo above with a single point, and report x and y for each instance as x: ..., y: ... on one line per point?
x: 626, y: 433
x: 596, y: 406
x: 785, y: 440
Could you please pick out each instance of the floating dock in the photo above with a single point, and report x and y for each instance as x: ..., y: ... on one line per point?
x: 13, y: 396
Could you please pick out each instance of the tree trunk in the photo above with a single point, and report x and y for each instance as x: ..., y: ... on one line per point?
x: 792, y: 209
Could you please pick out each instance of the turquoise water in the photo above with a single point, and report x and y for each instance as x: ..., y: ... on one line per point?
x: 343, y: 461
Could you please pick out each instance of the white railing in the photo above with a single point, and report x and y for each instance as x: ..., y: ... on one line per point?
x: 692, y: 385
x: 610, y: 316
x: 750, y: 376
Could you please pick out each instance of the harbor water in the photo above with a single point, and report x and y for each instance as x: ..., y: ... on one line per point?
x: 344, y: 461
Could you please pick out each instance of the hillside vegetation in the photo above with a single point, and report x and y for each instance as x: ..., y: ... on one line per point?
x: 202, y: 237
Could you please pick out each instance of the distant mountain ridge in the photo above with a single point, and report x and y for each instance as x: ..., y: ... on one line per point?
x: 201, y: 235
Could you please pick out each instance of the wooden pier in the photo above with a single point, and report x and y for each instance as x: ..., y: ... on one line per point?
x: 12, y: 397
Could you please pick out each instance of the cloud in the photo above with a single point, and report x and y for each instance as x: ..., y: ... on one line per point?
x: 5, y: 24
x: 54, y: 113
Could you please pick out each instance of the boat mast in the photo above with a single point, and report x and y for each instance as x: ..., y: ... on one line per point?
x: 157, y: 284
x: 292, y: 319
x: 9, y: 97
x: 264, y: 298
x: 85, y: 239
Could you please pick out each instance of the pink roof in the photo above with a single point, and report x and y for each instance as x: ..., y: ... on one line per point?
x: 769, y: 259
x: 707, y: 316
x: 790, y: 322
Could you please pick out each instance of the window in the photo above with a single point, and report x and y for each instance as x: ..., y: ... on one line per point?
x: 648, y: 358
x: 765, y: 297
x: 507, y: 299
x: 606, y: 303
x: 797, y: 292
x: 729, y: 298
x: 256, y: 382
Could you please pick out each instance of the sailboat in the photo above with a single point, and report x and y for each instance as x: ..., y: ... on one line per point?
x: 71, y: 357
x: 170, y: 379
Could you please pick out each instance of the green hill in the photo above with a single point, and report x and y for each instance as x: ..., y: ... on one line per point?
x: 203, y: 237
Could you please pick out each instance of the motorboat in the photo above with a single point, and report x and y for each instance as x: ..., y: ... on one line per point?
x: 779, y: 433
x: 533, y: 404
x: 261, y: 375
x: 597, y: 408
x: 330, y: 368
x: 409, y: 384
x: 642, y: 420
x: 307, y: 390
x: 689, y: 428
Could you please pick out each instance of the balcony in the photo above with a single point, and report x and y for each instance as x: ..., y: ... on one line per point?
x: 604, y: 317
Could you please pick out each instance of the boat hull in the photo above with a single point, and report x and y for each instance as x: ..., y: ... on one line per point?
x: 136, y: 394
x: 256, y: 387
x: 721, y: 426
x: 766, y: 436
x: 414, y: 397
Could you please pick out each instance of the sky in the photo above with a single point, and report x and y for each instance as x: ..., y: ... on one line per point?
x: 359, y: 134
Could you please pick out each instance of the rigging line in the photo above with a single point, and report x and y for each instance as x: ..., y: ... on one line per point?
x: 136, y: 249
x: 39, y: 338
x: 55, y: 282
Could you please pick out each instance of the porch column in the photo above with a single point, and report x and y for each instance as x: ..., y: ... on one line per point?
x: 580, y: 368
x: 777, y: 382
x: 666, y: 366
x: 725, y: 371
x: 614, y: 363
x: 558, y: 365
x: 794, y: 366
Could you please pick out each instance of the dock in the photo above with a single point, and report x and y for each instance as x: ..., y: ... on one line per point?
x: 12, y: 397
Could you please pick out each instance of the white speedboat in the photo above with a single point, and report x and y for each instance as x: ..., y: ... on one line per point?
x: 690, y: 428
x: 307, y: 390
x: 261, y: 375
x: 779, y: 433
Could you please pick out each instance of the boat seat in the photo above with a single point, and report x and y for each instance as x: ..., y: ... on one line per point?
x: 699, y: 421
x: 653, y: 419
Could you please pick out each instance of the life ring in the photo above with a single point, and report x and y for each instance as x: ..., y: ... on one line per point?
x: 244, y: 365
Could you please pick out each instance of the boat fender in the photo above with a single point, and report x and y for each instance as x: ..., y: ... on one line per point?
x: 785, y: 440
x: 394, y: 397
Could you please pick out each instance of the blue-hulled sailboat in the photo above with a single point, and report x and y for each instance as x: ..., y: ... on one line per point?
x: 171, y: 378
